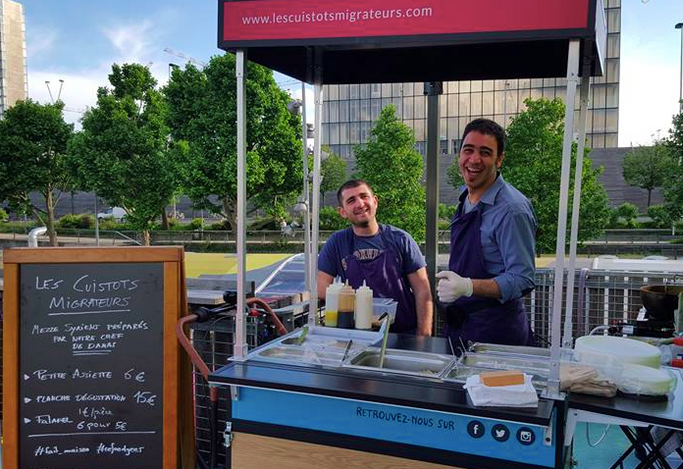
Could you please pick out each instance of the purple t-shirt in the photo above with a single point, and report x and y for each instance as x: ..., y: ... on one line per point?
x: 337, y: 247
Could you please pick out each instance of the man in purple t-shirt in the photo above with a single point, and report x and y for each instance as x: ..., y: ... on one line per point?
x: 385, y: 257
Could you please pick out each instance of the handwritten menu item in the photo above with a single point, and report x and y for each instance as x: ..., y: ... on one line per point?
x: 91, y: 350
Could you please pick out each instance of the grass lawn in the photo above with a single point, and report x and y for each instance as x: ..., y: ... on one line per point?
x: 219, y: 263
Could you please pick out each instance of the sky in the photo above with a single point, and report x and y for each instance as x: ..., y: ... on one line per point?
x: 77, y: 41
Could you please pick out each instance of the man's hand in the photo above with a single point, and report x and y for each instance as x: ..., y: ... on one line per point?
x: 452, y: 286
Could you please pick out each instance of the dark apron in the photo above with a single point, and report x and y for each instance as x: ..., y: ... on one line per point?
x: 476, y: 318
x: 384, y: 274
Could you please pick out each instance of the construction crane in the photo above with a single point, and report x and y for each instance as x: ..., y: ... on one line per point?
x: 201, y: 63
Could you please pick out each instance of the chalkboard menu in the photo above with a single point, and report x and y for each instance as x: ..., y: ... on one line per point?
x: 90, y: 376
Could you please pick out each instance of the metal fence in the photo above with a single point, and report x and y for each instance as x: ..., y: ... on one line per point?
x: 601, y: 297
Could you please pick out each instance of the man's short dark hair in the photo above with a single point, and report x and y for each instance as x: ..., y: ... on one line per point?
x: 487, y: 127
x: 350, y: 184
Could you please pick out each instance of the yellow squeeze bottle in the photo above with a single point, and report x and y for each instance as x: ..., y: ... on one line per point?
x: 332, y: 304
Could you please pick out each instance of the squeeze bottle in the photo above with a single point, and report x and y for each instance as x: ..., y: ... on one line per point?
x: 364, y: 307
x: 346, y: 306
x: 332, y: 303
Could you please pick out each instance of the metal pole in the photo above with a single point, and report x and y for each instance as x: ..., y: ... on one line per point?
x: 97, y: 225
x: 572, y: 80
x: 680, y: 78
x: 567, y: 336
x: 432, y: 90
x: 240, y: 347
x: 307, y: 212
x: 315, y: 209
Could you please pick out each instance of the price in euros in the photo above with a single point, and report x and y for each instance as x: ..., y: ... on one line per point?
x: 139, y: 376
x: 145, y: 397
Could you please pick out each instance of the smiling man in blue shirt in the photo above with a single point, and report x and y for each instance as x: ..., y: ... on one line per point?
x: 491, y: 265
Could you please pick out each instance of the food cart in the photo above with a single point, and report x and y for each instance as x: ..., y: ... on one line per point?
x: 326, y: 404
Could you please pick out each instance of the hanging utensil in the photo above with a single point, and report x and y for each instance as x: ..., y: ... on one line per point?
x: 346, y: 350
x: 383, y: 350
x: 450, y: 342
x: 302, y: 336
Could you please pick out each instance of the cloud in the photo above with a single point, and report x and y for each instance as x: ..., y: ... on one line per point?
x: 133, y: 42
x: 78, y: 91
x: 648, y: 96
x: 137, y: 42
x: 40, y: 39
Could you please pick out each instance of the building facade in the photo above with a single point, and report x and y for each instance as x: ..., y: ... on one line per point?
x: 350, y: 110
x: 13, y: 81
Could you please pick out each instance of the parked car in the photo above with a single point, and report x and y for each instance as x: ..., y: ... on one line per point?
x: 117, y: 213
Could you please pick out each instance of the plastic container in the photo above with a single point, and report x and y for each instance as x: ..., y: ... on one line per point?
x: 364, y: 307
x: 332, y: 303
x: 644, y: 380
x: 600, y: 350
x: 347, y: 303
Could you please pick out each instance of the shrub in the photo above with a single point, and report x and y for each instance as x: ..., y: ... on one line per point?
x: 447, y: 212
x: 268, y: 223
x: 221, y: 225
x: 661, y: 217
x: 81, y: 221
x: 627, y: 213
x: 110, y: 224
x: 196, y: 224
x: 330, y: 220
x: 4, y: 217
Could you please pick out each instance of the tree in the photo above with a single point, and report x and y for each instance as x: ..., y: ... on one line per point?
x: 647, y: 167
x: 123, y: 152
x: 394, y: 168
x: 203, y: 113
x: 333, y: 171
x: 673, y: 183
x: 533, y: 160
x: 33, y: 143
x: 453, y: 174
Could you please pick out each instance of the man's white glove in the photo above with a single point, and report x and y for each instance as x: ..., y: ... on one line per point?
x: 452, y: 286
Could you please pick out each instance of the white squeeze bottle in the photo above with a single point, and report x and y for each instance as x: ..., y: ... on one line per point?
x: 332, y: 304
x: 363, y: 307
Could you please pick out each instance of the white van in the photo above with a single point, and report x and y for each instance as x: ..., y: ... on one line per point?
x: 117, y: 213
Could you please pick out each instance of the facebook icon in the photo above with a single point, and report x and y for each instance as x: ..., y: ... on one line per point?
x: 476, y: 429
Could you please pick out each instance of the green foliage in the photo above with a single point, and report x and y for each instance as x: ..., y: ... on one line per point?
x: 268, y: 223
x: 330, y: 220
x: 627, y: 213
x: 661, y: 216
x: 390, y: 163
x: 222, y: 225
x: 447, y: 212
x: 203, y: 116
x: 33, y: 143
x: 333, y: 171
x: 673, y: 183
x: 4, y: 217
x: 453, y: 175
x: 196, y: 224
x: 83, y: 221
x: 533, y: 160
x: 123, y: 152
x: 647, y: 167
x: 110, y: 224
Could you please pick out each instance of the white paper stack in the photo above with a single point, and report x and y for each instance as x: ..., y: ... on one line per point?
x: 518, y: 395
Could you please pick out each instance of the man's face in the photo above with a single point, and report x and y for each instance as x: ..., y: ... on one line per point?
x: 479, y: 161
x: 359, y: 205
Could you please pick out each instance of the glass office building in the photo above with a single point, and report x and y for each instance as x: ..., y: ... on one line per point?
x: 350, y: 110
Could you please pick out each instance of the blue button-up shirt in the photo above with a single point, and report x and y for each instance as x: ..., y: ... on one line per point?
x: 508, y: 238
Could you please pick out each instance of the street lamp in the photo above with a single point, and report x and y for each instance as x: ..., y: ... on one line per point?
x: 680, y: 80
